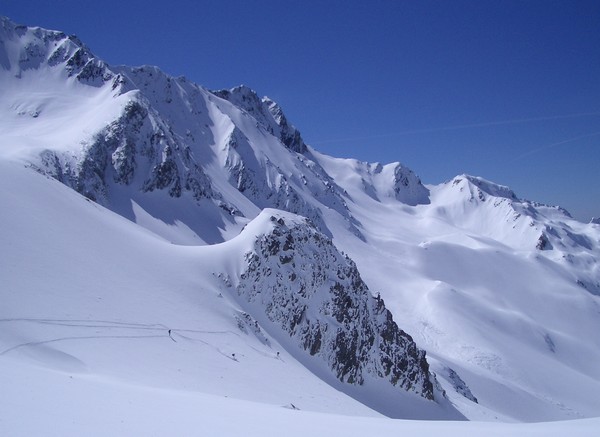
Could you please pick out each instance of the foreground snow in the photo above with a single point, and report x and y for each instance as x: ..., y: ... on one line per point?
x: 38, y: 401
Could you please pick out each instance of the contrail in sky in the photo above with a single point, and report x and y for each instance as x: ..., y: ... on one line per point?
x: 549, y: 146
x: 463, y: 126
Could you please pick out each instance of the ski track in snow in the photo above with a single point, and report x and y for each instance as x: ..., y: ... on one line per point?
x: 90, y: 337
x: 114, y: 325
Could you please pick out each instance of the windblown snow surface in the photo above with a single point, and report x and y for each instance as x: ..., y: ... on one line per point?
x: 124, y: 315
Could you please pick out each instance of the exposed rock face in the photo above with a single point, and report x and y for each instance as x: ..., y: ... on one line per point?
x: 408, y: 188
x: 543, y: 243
x: 267, y: 113
x: 288, y: 134
x: 166, y: 134
x: 137, y: 146
x: 314, y: 294
x: 459, y: 385
x: 303, y: 188
x: 52, y: 48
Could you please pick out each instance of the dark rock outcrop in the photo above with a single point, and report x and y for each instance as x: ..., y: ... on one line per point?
x: 316, y: 296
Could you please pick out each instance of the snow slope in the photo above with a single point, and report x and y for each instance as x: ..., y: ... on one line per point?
x: 502, y: 293
x: 97, y: 406
x: 90, y: 294
x: 465, y: 277
x: 88, y: 302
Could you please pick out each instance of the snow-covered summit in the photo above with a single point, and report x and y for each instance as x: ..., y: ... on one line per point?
x: 478, y: 187
x: 382, y: 183
x: 266, y: 112
x: 154, y: 133
x: 30, y: 48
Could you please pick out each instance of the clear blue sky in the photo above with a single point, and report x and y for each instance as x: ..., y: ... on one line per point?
x: 506, y: 90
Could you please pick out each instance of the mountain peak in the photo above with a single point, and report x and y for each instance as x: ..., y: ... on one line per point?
x: 484, y: 187
x: 28, y: 48
x: 242, y: 96
x: 267, y: 113
x: 407, y: 186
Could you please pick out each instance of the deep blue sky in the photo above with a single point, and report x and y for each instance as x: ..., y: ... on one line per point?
x: 507, y: 90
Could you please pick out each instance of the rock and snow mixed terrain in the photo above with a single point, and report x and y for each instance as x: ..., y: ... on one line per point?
x: 179, y: 253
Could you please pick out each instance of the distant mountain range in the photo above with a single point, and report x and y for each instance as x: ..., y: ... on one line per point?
x: 245, y: 245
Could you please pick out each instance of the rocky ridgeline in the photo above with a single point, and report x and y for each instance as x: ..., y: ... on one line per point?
x: 138, y: 147
x: 165, y: 137
x: 40, y: 47
x: 267, y: 113
x: 316, y: 296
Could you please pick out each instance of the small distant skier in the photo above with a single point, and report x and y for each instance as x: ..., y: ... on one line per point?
x: 171, y: 336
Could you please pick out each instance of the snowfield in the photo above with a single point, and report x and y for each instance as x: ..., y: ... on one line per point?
x: 176, y: 261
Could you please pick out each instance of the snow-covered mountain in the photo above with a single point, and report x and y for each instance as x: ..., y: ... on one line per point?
x: 231, y: 256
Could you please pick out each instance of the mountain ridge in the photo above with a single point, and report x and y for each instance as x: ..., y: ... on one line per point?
x: 195, y: 167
